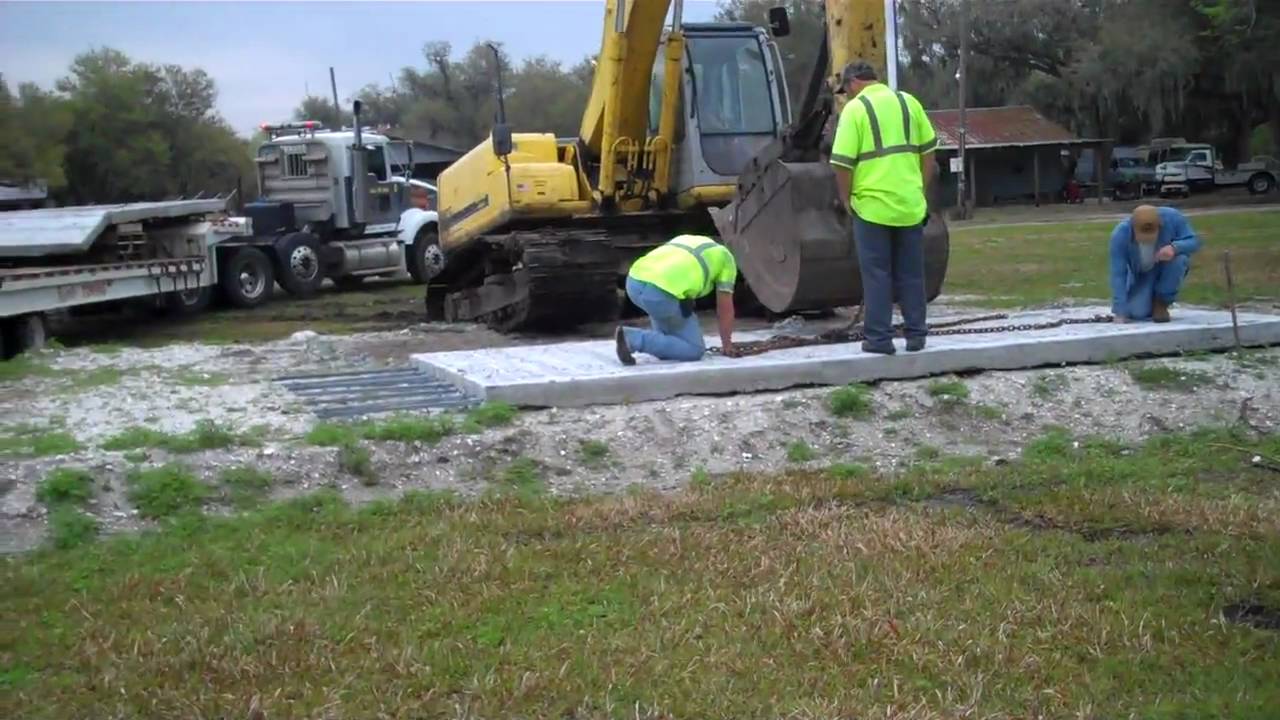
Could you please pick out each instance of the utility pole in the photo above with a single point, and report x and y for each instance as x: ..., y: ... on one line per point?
x: 962, y: 196
x: 333, y: 83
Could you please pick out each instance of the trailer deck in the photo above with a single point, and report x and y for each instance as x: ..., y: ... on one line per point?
x: 69, y: 230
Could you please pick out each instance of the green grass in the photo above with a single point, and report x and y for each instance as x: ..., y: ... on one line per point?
x: 165, y: 491
x: 23, y: 367
x: 1164, y: 377
x: 245, y: 486
x: 1086, y: 579
x: 206, y: 435
x: 136, y: 457
x: 524, y: 475
x: 700, y: 479
x: 354, y: 459
x: 403, y: 427
x: 848, y: 471
x: 1036, y: 264
x: 897, y: 415
x: 953, y: 391
x: 800, y: 452
x: 850, y: 401
x: 69, y: 528
x: 329, y: 434
x: 593, y: 453
x: 490, y: 415
x: 65, y: 486
x: 37, y: 441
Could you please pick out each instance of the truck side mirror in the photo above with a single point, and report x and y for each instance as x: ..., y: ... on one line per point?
x: 779, y: 22
x: 502, y: 144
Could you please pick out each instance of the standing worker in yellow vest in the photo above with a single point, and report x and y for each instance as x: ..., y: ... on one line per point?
x: 665, y: 283
x: 883, y: 160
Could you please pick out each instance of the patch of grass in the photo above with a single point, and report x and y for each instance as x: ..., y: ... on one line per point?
x: 410, y: 428
x: 137, y: 457
x: 799, y: 452
x: 328, y: 434
x: 1026, y: 265
x: 245, y: 485
x: 65, y: 486
x: 986, y: 411
x: 490, y: 414
x: 206, y: 435
x: 69, y: 527
x: 593, y: 453
x: 927, y: 453
x: 105, y: 348
x: 165, y: 491
x: 1254, y: 359
x: 899, y: 414
x: 848, y: 471
x: 1049, y: 385
x: 851, y: 401
x: 24, y: 366
x: 523, y: 474
x: 953, y: 391
x: 196, y: 378
x: 1164, y: 377
x: 77, y: 381
x: 37, y: 442
x: 700, y: 479
x: 355, y: 460
x: 1106, y: 574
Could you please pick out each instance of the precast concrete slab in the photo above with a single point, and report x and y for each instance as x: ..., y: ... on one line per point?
x: 588, y: 373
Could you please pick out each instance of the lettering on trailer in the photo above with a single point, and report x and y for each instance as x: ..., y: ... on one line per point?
x: 97, y: 288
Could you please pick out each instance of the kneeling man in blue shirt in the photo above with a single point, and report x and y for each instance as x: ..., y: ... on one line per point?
x: 1150, y: 256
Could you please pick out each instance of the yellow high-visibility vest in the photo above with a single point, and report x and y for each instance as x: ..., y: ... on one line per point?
x: 879, y: 139
x: 688, y: 267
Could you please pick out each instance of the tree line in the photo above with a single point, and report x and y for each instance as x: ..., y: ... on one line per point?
x: 115, y: 130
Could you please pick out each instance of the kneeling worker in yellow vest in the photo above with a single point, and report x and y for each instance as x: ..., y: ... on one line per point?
x: 665, y: 283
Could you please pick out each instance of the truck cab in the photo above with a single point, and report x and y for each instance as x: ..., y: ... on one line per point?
x: 331, y: 203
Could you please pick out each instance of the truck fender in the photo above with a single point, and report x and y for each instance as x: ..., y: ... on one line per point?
x: 413, y: 220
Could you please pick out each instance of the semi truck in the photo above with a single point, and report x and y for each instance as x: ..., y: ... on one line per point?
x: 329, y: 206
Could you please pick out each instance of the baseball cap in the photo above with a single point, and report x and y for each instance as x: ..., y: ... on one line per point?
x: 1145, y: 223
x: 857, y: 70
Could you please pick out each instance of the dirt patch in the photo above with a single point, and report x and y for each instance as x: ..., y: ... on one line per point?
x: 1255, y: 615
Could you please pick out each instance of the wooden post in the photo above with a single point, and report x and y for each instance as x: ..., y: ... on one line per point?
x: 973, y: 180
x: 1231, y: 297
x: 1035, y: 164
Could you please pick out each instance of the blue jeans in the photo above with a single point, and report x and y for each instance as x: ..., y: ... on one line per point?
x: 1162, y: 281
x: 674, y: 336
x: 891, y: 261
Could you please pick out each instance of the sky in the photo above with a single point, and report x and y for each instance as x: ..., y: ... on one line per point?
x: 265, y: 56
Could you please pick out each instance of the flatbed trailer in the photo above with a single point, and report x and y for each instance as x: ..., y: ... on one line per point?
x: 55, y: 260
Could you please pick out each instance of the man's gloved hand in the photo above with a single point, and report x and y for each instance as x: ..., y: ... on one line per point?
x: 1165, y: 254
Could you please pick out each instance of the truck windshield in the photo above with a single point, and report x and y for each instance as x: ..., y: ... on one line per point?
x: 734, y: 101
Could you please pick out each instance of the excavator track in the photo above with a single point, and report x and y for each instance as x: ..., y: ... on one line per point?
x: 562, y: 278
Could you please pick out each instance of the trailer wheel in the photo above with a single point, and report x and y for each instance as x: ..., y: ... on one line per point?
x: 1261, y: 184
x: 246, y: 278
x: 424, y: 258
x: 301, y: 271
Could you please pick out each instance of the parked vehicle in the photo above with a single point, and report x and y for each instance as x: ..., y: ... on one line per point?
x: 1195, y: 167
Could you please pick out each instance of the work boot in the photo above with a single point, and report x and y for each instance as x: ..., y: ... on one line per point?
x: 886, y: 349
x: 1159, y: 311
x: 620, y: 343
x: 915, y: 344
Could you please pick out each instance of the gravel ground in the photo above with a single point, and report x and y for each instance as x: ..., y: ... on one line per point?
x: 660, y: 445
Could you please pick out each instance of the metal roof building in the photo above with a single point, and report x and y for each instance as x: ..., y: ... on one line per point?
x: 1013, y: 154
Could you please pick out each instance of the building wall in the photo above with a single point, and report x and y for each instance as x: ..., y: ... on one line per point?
x: 1005, y: 175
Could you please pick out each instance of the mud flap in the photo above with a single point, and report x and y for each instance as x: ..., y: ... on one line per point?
x: 794, y: 244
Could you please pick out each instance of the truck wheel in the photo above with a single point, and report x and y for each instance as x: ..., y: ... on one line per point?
x: 300, y: 269
x: 185, y: 303
x: 1261, y: 184
x: 423, y: 258
x: 246, y: 278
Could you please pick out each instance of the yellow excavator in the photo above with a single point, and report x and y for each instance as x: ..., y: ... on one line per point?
x: 538, y: 231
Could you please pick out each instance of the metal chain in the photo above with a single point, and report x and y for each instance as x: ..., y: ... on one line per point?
x: 855, y: 333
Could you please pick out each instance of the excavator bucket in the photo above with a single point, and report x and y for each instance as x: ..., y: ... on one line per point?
x: 793, y: 240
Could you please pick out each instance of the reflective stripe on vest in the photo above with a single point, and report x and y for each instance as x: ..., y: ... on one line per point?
x: 878, y: 147
x: 696, y: 251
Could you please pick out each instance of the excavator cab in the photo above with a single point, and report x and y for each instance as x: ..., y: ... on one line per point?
x: 731, y: 108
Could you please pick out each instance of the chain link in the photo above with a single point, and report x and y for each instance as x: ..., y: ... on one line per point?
x: 854, y: 333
